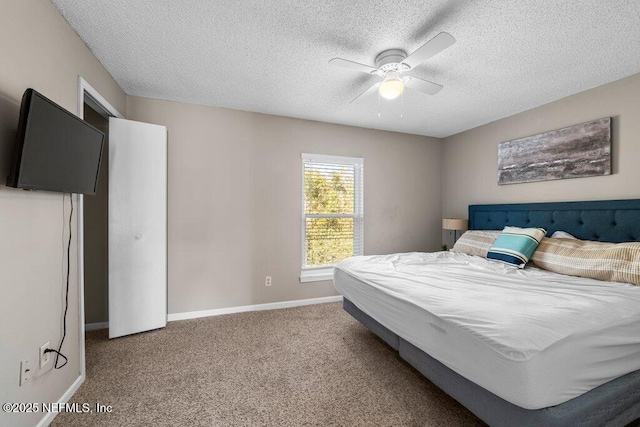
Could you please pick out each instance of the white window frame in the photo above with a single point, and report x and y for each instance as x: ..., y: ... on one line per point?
x: 325, y: 272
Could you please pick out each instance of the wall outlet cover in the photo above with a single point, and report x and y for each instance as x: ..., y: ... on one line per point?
x: 44, y: 357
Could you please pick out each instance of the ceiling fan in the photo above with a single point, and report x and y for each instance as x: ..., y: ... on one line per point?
x: 393, y: 63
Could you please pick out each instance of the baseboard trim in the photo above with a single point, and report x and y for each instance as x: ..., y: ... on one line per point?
x: 257, y: 307
x: 230, y: 310
x: 96, y: 326
x: 48, y: 418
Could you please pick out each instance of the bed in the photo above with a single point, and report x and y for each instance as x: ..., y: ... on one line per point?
x: 578, y: 363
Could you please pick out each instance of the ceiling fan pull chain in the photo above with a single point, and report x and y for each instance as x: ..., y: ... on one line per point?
x: 379, y: 105
x: 402, y: 105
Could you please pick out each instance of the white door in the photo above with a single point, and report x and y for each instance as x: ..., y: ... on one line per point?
x: 137, y: 227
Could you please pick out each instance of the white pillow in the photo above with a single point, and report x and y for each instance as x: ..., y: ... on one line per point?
x: 562, y: 235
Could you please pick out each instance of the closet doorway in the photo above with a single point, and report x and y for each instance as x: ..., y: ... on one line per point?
x: 122, y: 236
x: 96, y: 234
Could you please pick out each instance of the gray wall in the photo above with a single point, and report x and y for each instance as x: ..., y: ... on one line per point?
x: 37, y: 49
x: 235, y: 199
x: 470, y: 158
x: 96, y: 235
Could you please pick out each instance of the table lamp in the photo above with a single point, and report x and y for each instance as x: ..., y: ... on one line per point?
x: 455, y: 225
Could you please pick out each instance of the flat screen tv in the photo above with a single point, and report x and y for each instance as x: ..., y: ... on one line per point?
x: 55, y: 150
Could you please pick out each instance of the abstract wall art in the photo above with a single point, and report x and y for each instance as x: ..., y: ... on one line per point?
x: 572, y: 152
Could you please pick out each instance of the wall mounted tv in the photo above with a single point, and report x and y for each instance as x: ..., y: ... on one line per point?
x: 55, y: 150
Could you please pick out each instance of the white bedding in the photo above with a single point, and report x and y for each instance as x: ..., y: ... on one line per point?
x: 532, y: 337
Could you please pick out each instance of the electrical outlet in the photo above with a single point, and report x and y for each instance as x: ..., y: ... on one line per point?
x: 44, y: 357
x: 267, y: 281
x: 25, y: 371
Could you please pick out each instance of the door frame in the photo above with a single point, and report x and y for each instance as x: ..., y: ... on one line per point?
x: 86, y: 94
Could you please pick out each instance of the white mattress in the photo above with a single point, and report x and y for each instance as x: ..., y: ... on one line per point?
x: 532, y: 337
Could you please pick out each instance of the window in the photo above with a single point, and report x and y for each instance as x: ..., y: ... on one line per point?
x: 332, y: 213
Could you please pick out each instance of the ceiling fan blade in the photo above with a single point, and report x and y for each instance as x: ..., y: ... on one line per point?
x: 374, y: 87
x: 423, y: 85
x: 429, y: 49
x: 353, y: 65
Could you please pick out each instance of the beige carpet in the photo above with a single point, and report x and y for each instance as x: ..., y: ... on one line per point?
x: 311, y: 365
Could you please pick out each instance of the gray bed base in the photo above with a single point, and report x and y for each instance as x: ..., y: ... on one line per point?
x: 616, y: 403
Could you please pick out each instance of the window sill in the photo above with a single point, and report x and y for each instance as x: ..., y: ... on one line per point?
x: 316, y: 274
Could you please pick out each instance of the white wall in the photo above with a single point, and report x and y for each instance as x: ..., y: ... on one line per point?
x: 37, y: 49
x: 470, y: 159
x: 235, y: 199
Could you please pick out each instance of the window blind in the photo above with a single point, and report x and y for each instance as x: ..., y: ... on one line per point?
x: 332, y: 224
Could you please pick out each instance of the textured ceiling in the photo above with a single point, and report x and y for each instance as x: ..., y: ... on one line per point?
x: 272, y: 56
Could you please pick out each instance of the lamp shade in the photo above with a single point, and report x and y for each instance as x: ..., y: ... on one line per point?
x: 458, y: 224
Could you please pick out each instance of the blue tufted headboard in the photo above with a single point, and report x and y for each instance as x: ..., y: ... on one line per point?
x: 606, y: 221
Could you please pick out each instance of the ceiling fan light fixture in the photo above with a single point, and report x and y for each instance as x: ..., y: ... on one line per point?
x: 391, y: 87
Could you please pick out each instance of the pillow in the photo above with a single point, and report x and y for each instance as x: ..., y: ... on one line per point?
x: 613, y: 262
x: 516, y: 245
x: 476, y: 242
x: 562, y: 235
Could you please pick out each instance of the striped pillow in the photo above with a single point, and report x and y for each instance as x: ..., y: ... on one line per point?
x: 612, y: 262
x: 516, y: 245
x: 476, y: 242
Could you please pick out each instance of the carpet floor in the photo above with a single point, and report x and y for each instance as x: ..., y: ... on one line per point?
x: 312, y: 365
